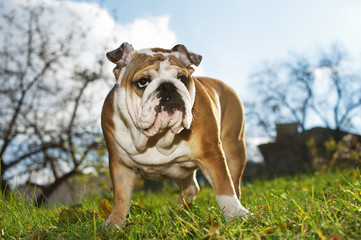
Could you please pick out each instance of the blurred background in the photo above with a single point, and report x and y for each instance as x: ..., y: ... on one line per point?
x: 295, y: 65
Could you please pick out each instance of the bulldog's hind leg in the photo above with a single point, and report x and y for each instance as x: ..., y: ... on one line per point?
x: 235, y: 151
x: 189, y: 188
x: 233, y: 140
x: 215, y: 169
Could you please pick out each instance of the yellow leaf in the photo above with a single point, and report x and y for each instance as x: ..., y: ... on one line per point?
x: 104, y: 208
x: 255, y: 213
x: 284, y: 225
x: 39, y: 235
x: 335, y: 237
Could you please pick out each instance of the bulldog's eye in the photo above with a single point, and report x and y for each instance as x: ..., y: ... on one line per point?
x: 184, y: 80
x: 142, y: 83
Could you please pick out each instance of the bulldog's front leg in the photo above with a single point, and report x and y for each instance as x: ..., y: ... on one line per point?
x: 215, y: 169
x: 123, y: 179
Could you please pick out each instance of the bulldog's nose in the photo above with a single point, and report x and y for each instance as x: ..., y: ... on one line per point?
x: 167, y: 87
x: 170, y: 99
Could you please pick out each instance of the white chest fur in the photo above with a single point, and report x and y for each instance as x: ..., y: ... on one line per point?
x: 154, y: 164
x: 153, y: 161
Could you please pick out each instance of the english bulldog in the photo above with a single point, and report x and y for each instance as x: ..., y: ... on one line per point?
x: 162, y: 122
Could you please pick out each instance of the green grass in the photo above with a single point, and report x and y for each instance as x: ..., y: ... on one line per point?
x: 320, y: 206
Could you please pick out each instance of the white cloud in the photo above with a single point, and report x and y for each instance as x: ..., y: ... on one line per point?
x: 103, y: 33
x: 150, y: 32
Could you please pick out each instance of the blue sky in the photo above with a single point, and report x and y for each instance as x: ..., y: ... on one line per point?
x: 235, y: 37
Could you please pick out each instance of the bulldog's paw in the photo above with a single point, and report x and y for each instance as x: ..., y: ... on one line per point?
x: 232, y: 208
x: 114, y: 220
x: 189, y: 195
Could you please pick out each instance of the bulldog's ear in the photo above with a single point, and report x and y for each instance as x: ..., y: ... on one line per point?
x: 119, y: 57
x: 120, y: 54
x: 186, y: 56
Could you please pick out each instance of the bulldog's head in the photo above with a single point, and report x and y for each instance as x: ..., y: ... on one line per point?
x: 158, y: 85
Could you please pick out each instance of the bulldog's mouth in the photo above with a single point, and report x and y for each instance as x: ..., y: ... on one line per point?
x: 169, y: 114
x: 165, y: 111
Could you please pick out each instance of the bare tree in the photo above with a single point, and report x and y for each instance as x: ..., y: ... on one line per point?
x: 284, y: 93
x: 47, y: 130
x: 304, y: 90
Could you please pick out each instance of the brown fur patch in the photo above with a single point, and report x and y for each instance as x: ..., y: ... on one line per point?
x: 208, y: 122
x: 160, y: 50
x: 108, y: 112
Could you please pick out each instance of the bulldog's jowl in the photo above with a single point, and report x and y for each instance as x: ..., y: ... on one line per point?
x: 162, y: 122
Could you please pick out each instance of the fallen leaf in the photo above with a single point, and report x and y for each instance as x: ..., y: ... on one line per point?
x: 73, y: 215
x: 70, y: 215
x: 39, y: 235
x: 255, y: 213
x: 213, y: 233
x: 284, y: 225
x: 335, y: 237
x: 104, y: 208
x: 265, y: 207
